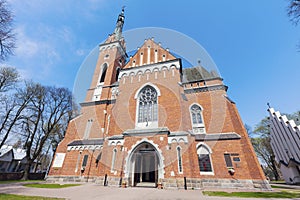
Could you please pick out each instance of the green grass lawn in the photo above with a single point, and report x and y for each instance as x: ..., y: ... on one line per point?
x: 281, y: 194
x: 46, y: 185
x: 22, y: 197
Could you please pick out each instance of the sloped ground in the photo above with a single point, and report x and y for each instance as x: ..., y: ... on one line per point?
x: 94, y: 191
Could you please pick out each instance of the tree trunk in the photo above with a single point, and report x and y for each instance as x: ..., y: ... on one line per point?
x: 27, y: 170
x: 274, y: 167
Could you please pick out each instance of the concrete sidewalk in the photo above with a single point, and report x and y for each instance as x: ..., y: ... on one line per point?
x: 90, y: 191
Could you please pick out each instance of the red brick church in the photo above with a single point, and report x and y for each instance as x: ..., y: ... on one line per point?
x: 148, y: 121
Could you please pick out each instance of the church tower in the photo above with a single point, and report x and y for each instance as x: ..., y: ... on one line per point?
x: 111, y: 59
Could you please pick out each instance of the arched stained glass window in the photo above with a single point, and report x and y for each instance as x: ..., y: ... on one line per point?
x: 204, y: 159
x: 147, y: 111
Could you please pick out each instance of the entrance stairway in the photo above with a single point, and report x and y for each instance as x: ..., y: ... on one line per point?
x: 146, y: 184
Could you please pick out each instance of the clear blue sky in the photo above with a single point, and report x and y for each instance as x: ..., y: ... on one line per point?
x: 252, y: 42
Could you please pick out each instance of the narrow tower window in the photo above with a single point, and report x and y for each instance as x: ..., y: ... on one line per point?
x: 104, y: 69
x: 117, y: 73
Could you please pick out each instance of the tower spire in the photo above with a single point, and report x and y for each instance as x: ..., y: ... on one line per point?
x: 119, y: 25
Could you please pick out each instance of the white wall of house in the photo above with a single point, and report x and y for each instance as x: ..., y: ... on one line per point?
x: 285, y: 142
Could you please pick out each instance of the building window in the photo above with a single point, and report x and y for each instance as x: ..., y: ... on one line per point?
x: 113, y: 160
x: 196, y: 114
x: 147, y: 110
x: 103, y: 74
x: 98, y: 159
x: 84, y: 162
x: 228, y: 160
x: 196, y: 118
x: 117, y: 73
x: 179, y: 159
x: 232, y: 160
x: 204, y: 160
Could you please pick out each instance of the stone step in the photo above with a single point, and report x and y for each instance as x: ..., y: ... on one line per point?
x: 146, y: 184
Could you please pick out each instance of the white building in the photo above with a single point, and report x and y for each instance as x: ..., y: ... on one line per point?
x: 12, y: 159
x: 285, y: 142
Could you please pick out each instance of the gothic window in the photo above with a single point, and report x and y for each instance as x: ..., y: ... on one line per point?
x: 147, y: 105
x: 98, y: 159
x: 104, y: 69
x: 179, y: 159
x: 196, y: 118
x: 204, y: 160
x: 84, y: 162
x: 117, y: 73
x: 196, y: 114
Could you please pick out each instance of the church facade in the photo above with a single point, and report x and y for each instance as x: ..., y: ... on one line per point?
x: 147, y: 121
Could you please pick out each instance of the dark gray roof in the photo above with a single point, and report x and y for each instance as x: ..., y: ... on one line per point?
x: 86, y: 142
x: 150, y: 131
x: 178, y: 133
x: 197, y: 73
x: 116, y: 137
x: 217, y: 136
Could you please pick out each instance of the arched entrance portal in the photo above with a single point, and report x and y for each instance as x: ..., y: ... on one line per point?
x: 144, y: 165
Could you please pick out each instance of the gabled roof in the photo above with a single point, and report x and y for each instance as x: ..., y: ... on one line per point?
x: 149, y: 53
x: 17, y: 154
x: 4, y: 150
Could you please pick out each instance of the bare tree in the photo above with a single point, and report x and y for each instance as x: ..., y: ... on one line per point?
x: 12, y: 108
x: 294, y: 14
x: 264, y: 152
x: 7, y: 37
x: 294, y: 11
x: 249, y: 130
x: 9, y: 77
x: 45, y: 116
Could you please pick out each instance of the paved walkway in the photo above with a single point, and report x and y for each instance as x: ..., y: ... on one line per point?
x: 92, y: 191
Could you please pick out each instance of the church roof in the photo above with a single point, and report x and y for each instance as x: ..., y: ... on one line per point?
x: 198, y: 73
x: 150, y: 52
x: 86, y: 142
